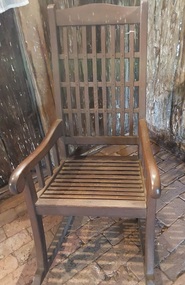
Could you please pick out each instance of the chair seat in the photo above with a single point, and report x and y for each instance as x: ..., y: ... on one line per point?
x: 98, y: 183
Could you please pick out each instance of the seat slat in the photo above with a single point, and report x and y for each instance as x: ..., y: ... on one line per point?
x: 92, y: 187
x: 91, y: 190
x: 123, y: 182
x: 118, y: 159
x: 114, y: 174
x: 103, y: 162
x: 114, y: 178
x: 101, y: 168
x: 106, y: 173
x: 92, y: 196
x: 96, y: 183
x: 96, y: 195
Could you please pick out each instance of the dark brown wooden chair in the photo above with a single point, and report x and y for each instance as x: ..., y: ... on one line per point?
x: 99, y: 71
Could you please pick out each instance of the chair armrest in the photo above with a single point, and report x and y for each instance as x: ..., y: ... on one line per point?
x: 151, y: 171
x: 17, y: 178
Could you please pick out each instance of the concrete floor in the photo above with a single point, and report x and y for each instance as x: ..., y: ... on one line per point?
x: 101, y: 250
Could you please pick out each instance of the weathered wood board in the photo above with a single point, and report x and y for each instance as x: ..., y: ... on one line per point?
x: 20, y: 130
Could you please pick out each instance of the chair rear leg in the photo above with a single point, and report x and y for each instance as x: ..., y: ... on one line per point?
x: 38, y: 232
x: 149, y: 241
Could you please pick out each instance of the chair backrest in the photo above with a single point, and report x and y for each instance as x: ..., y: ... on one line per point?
x: 99, y: 71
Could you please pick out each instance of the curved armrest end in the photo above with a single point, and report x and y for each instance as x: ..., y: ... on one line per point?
x: 155, y: 186
x: 157, y: 193
x: 16, y: 182
x: 154, y: 177
x: 18, y: 178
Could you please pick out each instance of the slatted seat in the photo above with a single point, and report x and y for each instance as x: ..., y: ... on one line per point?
x: 99, y: 71
x: 97, y: 179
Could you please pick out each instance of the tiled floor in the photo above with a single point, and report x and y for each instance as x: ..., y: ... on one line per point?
x: 101, y: 250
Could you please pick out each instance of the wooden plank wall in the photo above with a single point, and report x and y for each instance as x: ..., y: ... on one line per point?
x: 20, y: 129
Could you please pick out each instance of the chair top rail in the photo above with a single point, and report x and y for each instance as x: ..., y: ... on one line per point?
x: 97, y: 14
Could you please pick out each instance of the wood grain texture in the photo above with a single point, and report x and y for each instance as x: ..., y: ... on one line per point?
x: 20, y: 130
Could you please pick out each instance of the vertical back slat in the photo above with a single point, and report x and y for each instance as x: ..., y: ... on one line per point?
x: 66, y: 64
x: 85, y: 72
x: 113, y: 103
x: 77, y: 80
x: 131, y: 57
x: 55, y: 60
x: 95, y: 80
x: 40, y: 176
x: 122, y: 55
x: 49, y: 164
x: 143, y: 56
x: 56, y: 155
x: 103, y: 78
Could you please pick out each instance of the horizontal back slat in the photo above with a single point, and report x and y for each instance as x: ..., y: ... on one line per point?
x: 122, y: 140
x: 97, y: 14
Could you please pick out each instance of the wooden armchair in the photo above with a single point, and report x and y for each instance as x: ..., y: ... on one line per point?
x: 99, y: 71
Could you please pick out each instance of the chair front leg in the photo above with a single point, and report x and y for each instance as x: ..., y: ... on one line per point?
x: 38, y: 232
x: 149, y: 241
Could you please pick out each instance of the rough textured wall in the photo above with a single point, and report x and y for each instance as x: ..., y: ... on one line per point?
x: 166, y: 71
x: 20, y: 130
